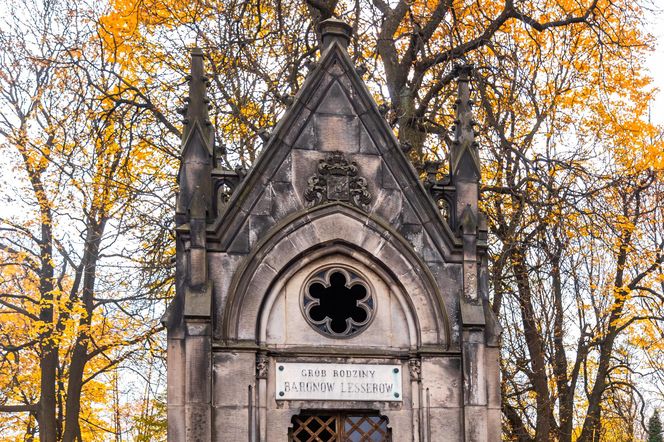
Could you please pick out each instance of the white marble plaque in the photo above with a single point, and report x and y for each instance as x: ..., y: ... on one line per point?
x: 338, y: 382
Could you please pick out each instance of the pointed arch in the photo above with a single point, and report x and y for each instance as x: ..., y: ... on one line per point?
x: 314, y: 233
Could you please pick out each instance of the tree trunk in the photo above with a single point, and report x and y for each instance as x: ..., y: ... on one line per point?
x: 48, y: 426
x: 592, y: 424
x: 535, y: 347
x: 48, y: 358
x: 80, y: 353
x: 565, y: 393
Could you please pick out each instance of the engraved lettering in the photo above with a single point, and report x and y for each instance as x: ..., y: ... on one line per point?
x: 328, y: 381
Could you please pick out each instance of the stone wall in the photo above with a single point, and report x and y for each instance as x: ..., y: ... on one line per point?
x: 331, y: 196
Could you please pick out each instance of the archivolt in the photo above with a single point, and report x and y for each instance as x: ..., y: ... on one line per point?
x: 315, y: 233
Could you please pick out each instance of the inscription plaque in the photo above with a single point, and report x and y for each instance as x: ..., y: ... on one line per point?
x: 338, y: 382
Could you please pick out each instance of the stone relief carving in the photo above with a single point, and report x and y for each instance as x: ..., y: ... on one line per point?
x: 262, y: 363
x: 225, y: 184
x: 337, y: 179
x: 415, y: 366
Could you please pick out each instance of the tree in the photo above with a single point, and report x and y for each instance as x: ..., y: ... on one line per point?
x: 572, y: 180
x: 654, y: 428
x: 572, y: 174
x: 67, y: 315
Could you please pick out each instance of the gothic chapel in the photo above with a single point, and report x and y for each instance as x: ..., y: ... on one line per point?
x: 326, y: 295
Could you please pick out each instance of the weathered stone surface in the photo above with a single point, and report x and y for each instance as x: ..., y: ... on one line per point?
x: 259, y: 226
x: 234, y: 373
x: 279, y: 254
x: 474, y: 368
x: 429, y: 252
x: 372, y: 243
x: 367, y: 146
x: 198, y: 423
x: 263, y: 273
x: 447, y: 277
x: 277, y: 322
x: 197, y: 371
x: 414, y: 235
x: 387, y: 180
x: 336, y: 102
x: 304, y: 237
x: 176, y: 422
x: 401, y: 423
x: 331, y: 192
x: 306, y: 140
x: 277, y: 420
x: 175, y: 361
x: 336, y: 133
x: 231, y: 423
x: 299, y: 125
x: 286, y: 201
x: 493, y: 422
x: 339, y: 227
x: 400, y: 335
x: 444, y: 424
x: 441, y: 377
x: 264, y: 204
x: 312, y: 97
x: 492, y: 355
x: 411, y: 216
x: 222, y: 267
x: 357, y: 97
x: 240, y: 243
x: 475, y: 423
x: 378, y: 137
x: 284, y: 173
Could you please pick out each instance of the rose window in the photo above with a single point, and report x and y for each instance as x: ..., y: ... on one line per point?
x: 338, y: 302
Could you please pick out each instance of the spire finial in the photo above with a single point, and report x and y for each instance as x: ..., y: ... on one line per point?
x: 335, y: 30
x: 197, y: 101
x: 464, y: 145
x: 198, y: 156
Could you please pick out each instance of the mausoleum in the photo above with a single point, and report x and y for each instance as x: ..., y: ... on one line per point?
x: 331, y: 293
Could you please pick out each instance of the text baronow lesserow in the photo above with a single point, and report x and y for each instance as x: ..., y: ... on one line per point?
x: 338, y: 382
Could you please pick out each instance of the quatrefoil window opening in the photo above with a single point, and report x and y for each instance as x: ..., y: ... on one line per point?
x: 338, y: 302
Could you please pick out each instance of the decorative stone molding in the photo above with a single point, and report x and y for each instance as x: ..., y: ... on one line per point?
x: 262, y: 364
x: 337, y: 180
x: 415, y: 366
x: 226, y: 181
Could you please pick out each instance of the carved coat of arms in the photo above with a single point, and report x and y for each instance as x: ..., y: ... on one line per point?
x: 337, y: 179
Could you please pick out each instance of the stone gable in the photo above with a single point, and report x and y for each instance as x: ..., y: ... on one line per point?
x: 330, y: 251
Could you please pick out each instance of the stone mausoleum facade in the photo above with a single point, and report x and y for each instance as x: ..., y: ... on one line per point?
x: 330, y: 294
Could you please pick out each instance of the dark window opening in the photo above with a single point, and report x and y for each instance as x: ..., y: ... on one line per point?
x: 351, y: 426
x: 337, y: 302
